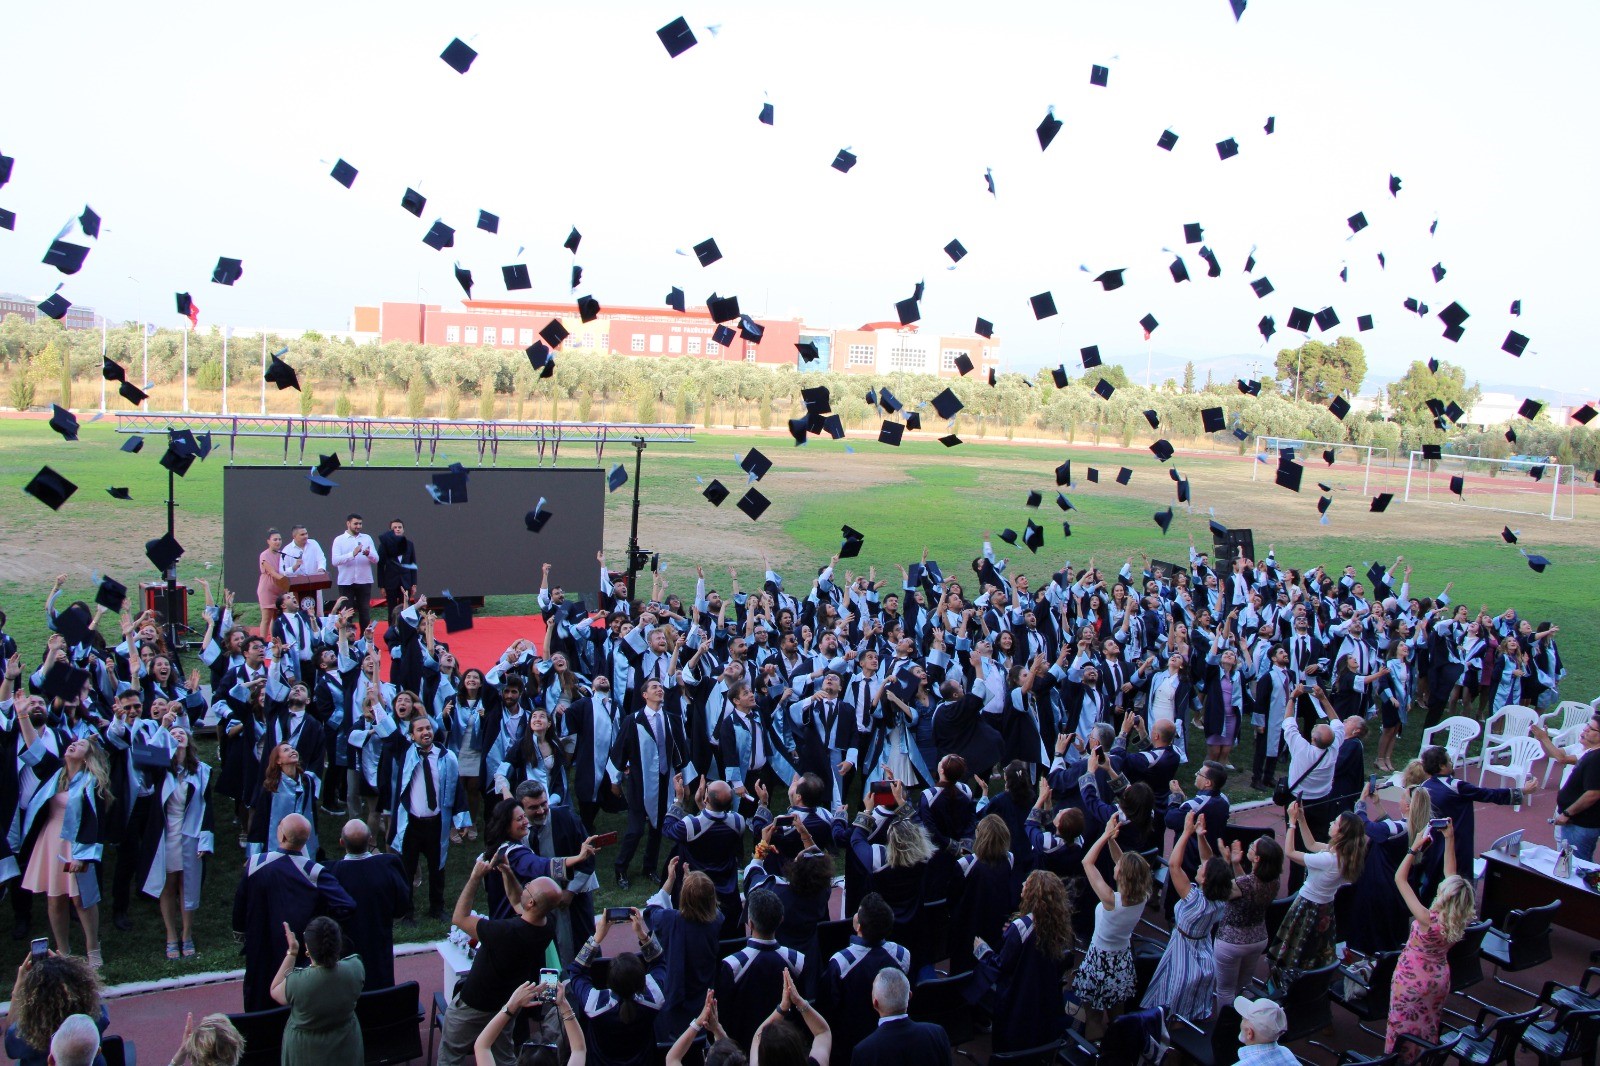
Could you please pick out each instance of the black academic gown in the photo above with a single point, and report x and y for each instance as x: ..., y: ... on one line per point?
x: 377, y: 882
x: 275, y: 889
x: 959, y: 729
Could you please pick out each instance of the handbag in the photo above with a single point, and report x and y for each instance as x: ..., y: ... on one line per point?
x: 1283, y: 794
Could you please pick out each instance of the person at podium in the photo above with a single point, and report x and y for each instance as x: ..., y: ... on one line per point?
x: 303, y: 557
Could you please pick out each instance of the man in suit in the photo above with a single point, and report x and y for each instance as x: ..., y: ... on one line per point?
x: 283, y: 886
x: 555, y: 831
x: 899, y: 1039
x: 426, y: 798
x: 1350, y: 765
x: 289, y: 723
x: 377, y: 881
x: 650, y: 748
x: 397, y: 566
x: 593, y: 721
x: 1156, y: 765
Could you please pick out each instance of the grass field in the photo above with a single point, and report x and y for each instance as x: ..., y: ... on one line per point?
x: 902, y: 499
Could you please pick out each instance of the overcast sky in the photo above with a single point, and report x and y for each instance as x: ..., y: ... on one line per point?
x: 201, y: 130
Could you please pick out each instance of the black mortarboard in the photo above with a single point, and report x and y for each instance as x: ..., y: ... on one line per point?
x: 1328, y: 456
x: 963, y: 364
x: 1048, y: 128
x: 1059, y: 376
x: 723, y: 308
x: 1323, y: 503
x: 707, y: 252
x: 1162, y: 449
x: 90, y: 222
x: 457, y: 615
x: 1214, y: 419
x: 588, y: 308
x: 1213, y: 268
x: 1300, y: 320
x: 1536, y: 472
x: 574, y: 238
x: 1454, y: 412
x: 163, y: 552
x: 798, y: 428
x: 1515, y: 344
x: 1584, y: 415
x: 723, y: 335
x: 984, y: 328
x: 553, y: 333
x: 908, y: 311
x: 1093, y: 475
x: 1104, y: 389
x: 1261, y: 287
x: 1227, y: 149
x: 1289, y: 475
x: 1508, y: 536
x: 1180, y: 272
x: 1110, y: 279
x: 808, y: 351
x: 119, y: 493
x: 1537, y: 563
x: 1357, y: 222
x: 458, y: 55
x: 6, y: 163
x: 675, y: 299
x: 1035, y: 498
x: 112, y: 370
x: 844, y: 161
x: 1044, y: 305
x: 833, y: 426
x: 1435, y: 406
x: 281, y: 373
x: 1363, y: 322
x: 617, y: 478
x: 132, y: 393
x: 716, y: 492
x: 816, y: 399
x: 1008, y: 535
x: 1432, y: 451
x: 1149, y: 323
x: 111, y: 594
x: 1064, y: 473
x: 888, y: 399
x: 1124, y: 475
x: 439, y: 236
x: 677, y: 37
x: 1439, y: 272
x: 1163, y: 519
x: 955, y: 251
x: 1516, y: 308
x: 1033, y: 536
x: 1183, y: 490
x: 516, y: 277
x: 1530, y: 408
x: 1458, y: 485
x: 1193, y: 233
x: 850, y: 544
x: 50, y: 488
x: 464, y: 279
x: 1167, y: 141
x: 947, y: 403
x: 1339, y: 407
x: 1090, y: 356
x: 1099, y: 75
x: 320, y: 484
x: 1324, y: 486
x: 1511, y: 435
x: 890, y: 433
x: 538, y: 354
x: 1266, y: 327
x: 1153, y: 417
x: 1063, y: 502
x: 133, y: 445
x: 488, y: 222
x: 8, y: 220
x: 449, y: 486
x: 755, y: 464
x: 950, y: 440
x: 1218, y: 530
x: 63, y: 680
x: 1250, y: 388
x: 1271, y: 125
x: 1327, y: 318
x: 66, y: 256
x: 1380, y: 502
x: 344, y: 173
x: 753, y: 504
x: 413, y: 201
x: 63, y: 422
x: 766, y: 114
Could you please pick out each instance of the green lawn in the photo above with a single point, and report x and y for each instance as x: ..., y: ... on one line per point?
x: 902, y: 499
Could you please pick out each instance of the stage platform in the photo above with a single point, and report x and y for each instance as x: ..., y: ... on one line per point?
x: 485, y: 642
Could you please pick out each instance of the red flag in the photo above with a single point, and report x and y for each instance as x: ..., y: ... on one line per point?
x: 194, y: 317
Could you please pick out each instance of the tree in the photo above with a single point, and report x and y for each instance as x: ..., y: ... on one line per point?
x: 378, y: 401
x: 486, y: 398
x: 1188, y: 376
x: 1408, y: 398
x: 417, y: 396
x: 1324, y: 370
x: 66, y: 381
x: 307, y: 404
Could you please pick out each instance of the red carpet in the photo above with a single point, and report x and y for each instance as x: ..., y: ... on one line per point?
x: 486, y: 641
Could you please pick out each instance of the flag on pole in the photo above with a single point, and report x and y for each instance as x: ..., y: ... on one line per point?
x: 150, y: 329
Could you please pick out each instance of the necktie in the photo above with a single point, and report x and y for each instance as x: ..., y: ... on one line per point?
x: 661, y: 742
x: 427, y: 783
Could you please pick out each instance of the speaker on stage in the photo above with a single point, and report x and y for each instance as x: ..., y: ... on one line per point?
x: 1225, y: 549
x: 154, y: 594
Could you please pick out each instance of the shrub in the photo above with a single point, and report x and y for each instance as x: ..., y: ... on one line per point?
x: 452, y: 401
x: 378, y: 401
x: 307, y: 402
x: 417, y: 396
x: 341, y: 405
x: 22, y: 391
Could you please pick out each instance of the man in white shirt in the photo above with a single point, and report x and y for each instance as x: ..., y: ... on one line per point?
x: 303, y: 556
x: 1311, y: 764
x: 355, y: 560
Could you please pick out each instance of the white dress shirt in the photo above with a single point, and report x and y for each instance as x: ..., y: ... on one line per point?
x: 354, y: 569
x: 417, y: 795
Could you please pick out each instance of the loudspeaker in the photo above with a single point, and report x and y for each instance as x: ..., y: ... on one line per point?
x: 1226, y: 549
x: 154, y: 594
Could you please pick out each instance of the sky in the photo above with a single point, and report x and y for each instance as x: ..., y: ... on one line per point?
x: 199, y: 130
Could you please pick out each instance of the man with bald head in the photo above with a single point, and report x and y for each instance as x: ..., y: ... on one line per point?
x: 284, y: 886
x: 377, y: 881
x: 510, y: 951
x: 712, y: 840
x: 1311, y: 765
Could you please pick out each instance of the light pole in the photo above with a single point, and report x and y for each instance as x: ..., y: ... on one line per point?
x: 634, y: 554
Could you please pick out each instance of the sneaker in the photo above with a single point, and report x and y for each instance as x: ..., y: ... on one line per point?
x: 622, y: 883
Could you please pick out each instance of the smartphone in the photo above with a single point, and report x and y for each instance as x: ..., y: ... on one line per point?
x: 1372, y: 782
x: 605, y: 840
x: 618, y: 915
x: 550, y: 978
x: 786, y: 819
x: 40, y: 947
x: 1438, y: 823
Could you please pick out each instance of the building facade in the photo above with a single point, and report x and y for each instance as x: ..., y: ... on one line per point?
x: 77, y: 317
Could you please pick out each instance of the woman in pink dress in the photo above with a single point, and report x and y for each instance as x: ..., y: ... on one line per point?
x: 1422, y: 976
x: 272, y: 583
x: 57, y: 843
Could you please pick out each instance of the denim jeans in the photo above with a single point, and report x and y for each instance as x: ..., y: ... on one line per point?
x: 1582, y: 840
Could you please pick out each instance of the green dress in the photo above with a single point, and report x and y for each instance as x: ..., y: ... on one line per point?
x: 322, y: 1025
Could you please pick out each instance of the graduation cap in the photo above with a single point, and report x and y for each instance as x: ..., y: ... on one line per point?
x: 1035, y: 498
x: 1300, y: 320
x: 1044, y: 305
x: 1180, y: 272
x: 281, y: 373
x: 1063, y: 502
x: 947, y: 404
x: 456, y: 614
x: 1327, y: 318
x: 1536, y: 472
x: 574, y: 238
x: 8, y: 219
x: 163, y: 552
x: 63, y: 680
x: 320, y: 484
x: 1511, y: 435
x: 1339, y: 407
x: 1272, y: 124
x: 766, y: 115
x: 1093, y: 475
x: 1432, y: 451
x: 1249, y: 388
x: 588, y: 307
x: 344, y: 173
x: 816, y: 399
x: 890, y: 433
x: 1124, y: 475
x: 1064, y: 473
x: 119, y: 493
x: 111, y: 594
x: 1415, y: 306
x: 1240, y: 434
x: 55, y: 306
x: 1439, y: 272
x: 707, y: 252
x: 1584, y: 415
x: 755, y: 464
x: 1110, y: 279
x: 63, y: 422
x: 1454, y: 412
x: 1266, y: 327
x: 716, y: 492
x: 723, y: 308
x: 413, y: 201
x: 963, y: 364
x: 66, y: 256
x: 1380, y: 502
x: 908, y: 311
x: 1261, y: 287
x: 538, y: 354
x: 1090, y: 356
x: 1537, y: 563
x: 675, y: 299
x: 677, y: 37
x: 1227, y: 149
x: 798, y: 427
x: 50, y: 488
x: 516, y: 277
x: 1328, y: 456
x: 439, y: 236
x: 844, y: 161
x: 553, y: 333
x: 950, y: 440
x: 133, y: 445
x: 723, y: 335
x: 1048, y: 128
x: 1162, y: 449
x: 888, y: 399
x: 450, y: 486
x: 1530, y: 408
x: 754, y: 504
x: 1059, y: 376
x: 1289, y: 474
x: 1104, y: 389
x: 112, y: 370
x: 1183, y: 490
x: 850, y: 546
x: 1033, y: 536
x: 489, y: 223
x: 90, y: 222
x: 1514, y: 344
x: 984, y: 328
x: 6, y: 163
x: 833, y: 426
x: 1099, y: 75
x: 808, y: 351
x: 1167, y: 141
x: 1213, y: 268
x: 458, y: 55
x: 464, y: 279
x: 1008, y: 535
x: 1164, y: 520
x: 1458, y: 485
x: 955, y: 251
x: 1364, y: 323
x: 1508, y: 536
x: 1149, y: 324
x: 617, y: 478
x: 1323, y: 503
x: 1357, y: 222
x: 132, y: 393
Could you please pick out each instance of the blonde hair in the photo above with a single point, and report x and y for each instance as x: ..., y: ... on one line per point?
x: 214, y: 1042
x: 1133, y: 878
x: 1414, y: 774
x: 94, y: 761
x: 992, y: 842
x: 1418, y: 814
x: 907, y: 843
x: 1455, y: 906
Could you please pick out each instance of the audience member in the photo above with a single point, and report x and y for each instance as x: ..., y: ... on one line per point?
x: 1026, y: 974
x: 691, y: 935
x: 844, y: 994
x: 622, y: 1015
x: 214, y: 1042
x: 321, y: 998
x: 1305, y: 939
x: 1261, y: 1022
x: 49, y: 989
x: 750, y: 982
x: 1422, y: 975
x: 897, y: 1038
x: 526, y: 995
x: 377, y: 880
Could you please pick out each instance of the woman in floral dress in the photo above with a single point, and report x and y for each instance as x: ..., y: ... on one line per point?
x: 1422, y: 975
x: 1185, y: 979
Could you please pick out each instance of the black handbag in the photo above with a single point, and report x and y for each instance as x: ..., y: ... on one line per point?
x: 1283, y: 794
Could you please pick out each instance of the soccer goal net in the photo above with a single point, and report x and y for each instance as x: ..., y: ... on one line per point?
x: 1331, y: 462
x: 1523, y: 484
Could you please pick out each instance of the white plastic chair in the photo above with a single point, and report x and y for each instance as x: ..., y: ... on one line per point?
x: 1459, y: 730
x: 1520, y: 753
x: 1564, y: 739
x: 1515, y: 721
x: 1567, y: 714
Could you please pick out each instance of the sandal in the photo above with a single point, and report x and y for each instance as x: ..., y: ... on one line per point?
x: 172, y: 951
x: 188, y: 950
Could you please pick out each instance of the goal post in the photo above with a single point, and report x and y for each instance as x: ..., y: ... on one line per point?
x: 1520, y: 485
x: 1305, y: 450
